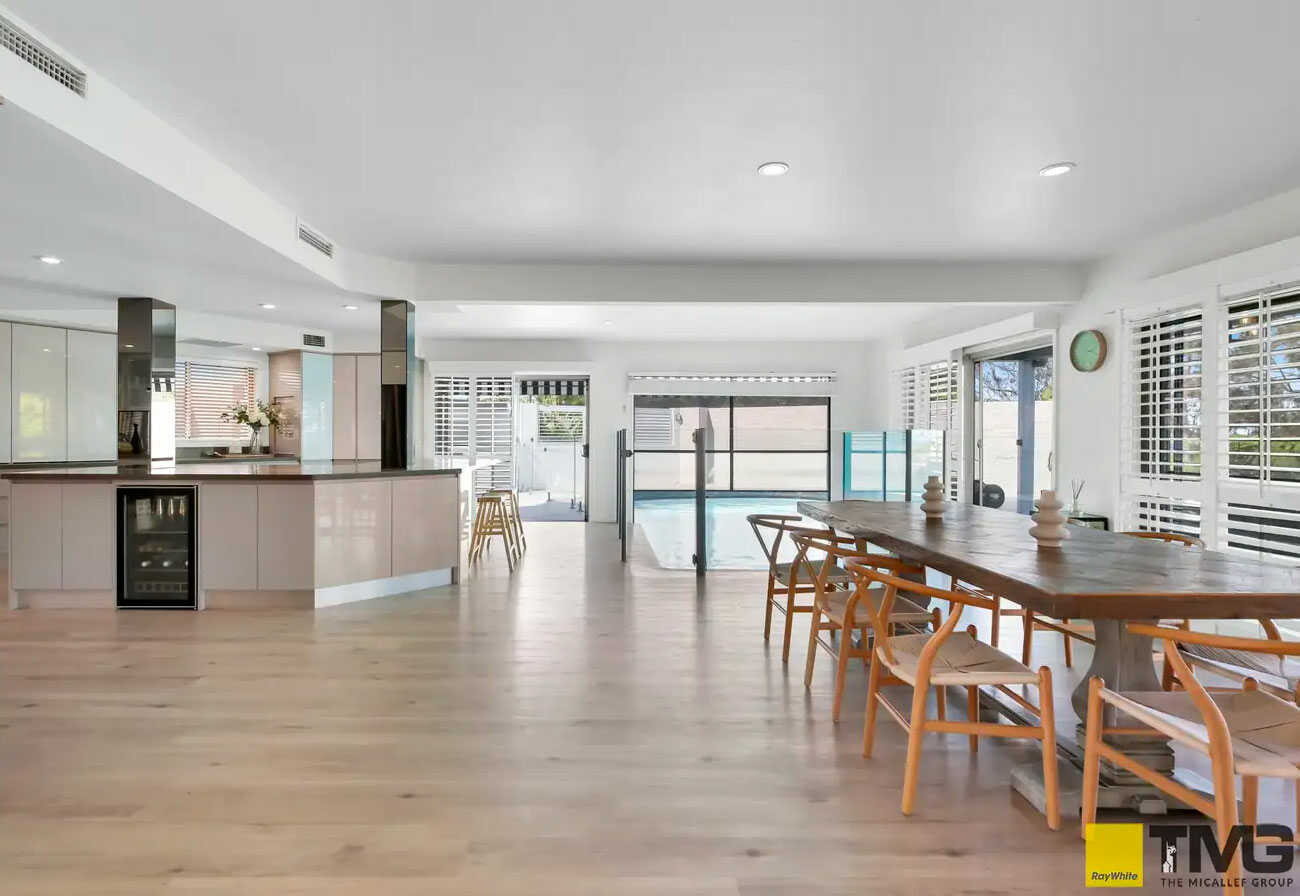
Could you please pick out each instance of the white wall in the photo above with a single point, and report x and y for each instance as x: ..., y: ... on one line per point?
x: 1244, y: 249
x: 859, y: 397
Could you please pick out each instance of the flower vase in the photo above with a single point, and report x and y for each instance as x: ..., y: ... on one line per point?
x: 1049, y: 527
x: 255, y: 440
x: 934, y: 504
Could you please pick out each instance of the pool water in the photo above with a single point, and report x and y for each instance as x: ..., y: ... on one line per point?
x: 669, y: 527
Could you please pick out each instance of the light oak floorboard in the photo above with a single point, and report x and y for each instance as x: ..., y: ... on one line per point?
x: 579, y: 727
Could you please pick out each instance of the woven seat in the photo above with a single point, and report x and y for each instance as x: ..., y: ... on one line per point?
x: 904, y: 612
x: 960, y: 660
x: 809, y: 570
x: 1265, y: 730
x: 1278, y: 673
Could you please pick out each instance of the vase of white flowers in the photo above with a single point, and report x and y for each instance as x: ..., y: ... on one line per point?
x: 255, y: 416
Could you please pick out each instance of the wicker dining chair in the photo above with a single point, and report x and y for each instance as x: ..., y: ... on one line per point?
x: 784, y: 582
x: 942, y: 660
x: 1245, y: 732
x: 843, y: 612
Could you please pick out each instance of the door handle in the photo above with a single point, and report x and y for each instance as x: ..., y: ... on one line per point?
x: 1051, y: 460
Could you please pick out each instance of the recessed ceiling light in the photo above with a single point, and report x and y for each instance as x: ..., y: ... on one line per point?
x: 257, y: 348
x: 351, y: 307
x: 269, y: 306
x: 45, y: 349
x: 1056, y: 169
x: 49, y: 259
x: 128, y: 345
x: 609, y: 323
x: 773, y: 169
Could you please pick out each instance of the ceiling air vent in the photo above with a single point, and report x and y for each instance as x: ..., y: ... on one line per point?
x: 316, y: 240
x: 39, y: 56
x: 313, y: 340
x: 207, y: 343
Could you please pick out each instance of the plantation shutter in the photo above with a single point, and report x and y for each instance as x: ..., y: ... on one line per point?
x: 1259, y: 425
x: 1161, y: 432
x: 451, y: 416
x: 494, y: 431
x: 204, y: 391
x: 905, y: 398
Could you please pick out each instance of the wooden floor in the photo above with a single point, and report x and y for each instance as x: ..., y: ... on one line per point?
x: 579, y: 728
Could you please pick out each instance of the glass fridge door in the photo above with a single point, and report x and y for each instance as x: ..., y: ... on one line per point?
x: 156, y: 548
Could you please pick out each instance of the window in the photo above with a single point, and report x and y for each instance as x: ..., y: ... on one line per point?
x: 204, y: 391
x: 928, y: 396
x: 1260, y: 363
x: 754, y: 443
x: 904, y: 412
x: 475, y: 416
x: 451, y: 405
x: 1161, y: 432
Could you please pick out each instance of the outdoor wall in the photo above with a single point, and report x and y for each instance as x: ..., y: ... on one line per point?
x: 859, y: 397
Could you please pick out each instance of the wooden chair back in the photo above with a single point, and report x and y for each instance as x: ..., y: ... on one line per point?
x: 836, y: 548
x: 775, y: 524
x: 884, y: 571
x: 1167, y: 538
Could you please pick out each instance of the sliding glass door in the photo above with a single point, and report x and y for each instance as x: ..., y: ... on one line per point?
x: 1013, y: 429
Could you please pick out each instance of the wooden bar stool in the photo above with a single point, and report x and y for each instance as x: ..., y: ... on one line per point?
x: 491, y: 519
x: 845, y: 613
x: 512, y: 515
x: 942, y: 660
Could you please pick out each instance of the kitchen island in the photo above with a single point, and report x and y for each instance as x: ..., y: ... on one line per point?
x: 261, y: 535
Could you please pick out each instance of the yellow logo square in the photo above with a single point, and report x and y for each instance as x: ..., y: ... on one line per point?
x: 1113, y: 855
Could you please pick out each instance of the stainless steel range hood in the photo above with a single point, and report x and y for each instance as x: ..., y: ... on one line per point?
x: 146, y: 381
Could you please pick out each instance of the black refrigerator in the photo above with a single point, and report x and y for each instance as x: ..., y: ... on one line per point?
x: 157, y: 563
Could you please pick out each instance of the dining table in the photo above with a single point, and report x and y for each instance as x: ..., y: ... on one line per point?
x: 1107, y: 578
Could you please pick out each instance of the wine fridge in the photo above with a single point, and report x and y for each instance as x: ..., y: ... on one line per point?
x: 157, y: 561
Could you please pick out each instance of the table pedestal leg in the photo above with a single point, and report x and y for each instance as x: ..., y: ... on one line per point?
x: 1124, y: 661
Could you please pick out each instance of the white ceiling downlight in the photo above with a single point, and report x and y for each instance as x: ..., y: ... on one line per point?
x: 1056, y: 169
x: 773, y: 169
x: 49, y: 259
x: 269, y: 306
x: 351, y: 307
x: 41, y: 57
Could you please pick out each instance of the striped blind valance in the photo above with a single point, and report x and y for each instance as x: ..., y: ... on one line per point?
x: 553, y: 387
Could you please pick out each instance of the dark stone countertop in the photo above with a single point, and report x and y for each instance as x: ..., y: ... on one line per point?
x: 271, y: 470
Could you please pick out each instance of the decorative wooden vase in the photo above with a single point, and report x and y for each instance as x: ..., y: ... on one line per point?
x: 1049, y: 527
x: 935, y: 503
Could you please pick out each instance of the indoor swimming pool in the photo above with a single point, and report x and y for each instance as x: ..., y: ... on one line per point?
x: 669, y: 527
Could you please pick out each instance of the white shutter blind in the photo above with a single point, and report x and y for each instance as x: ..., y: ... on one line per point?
x: 1259, y: 392
x: 204, y: 392
x: 1162, y: 431
x: 941, y: 396
x: 493, y: 431
x: 905, y: 398
x: 451, y: 416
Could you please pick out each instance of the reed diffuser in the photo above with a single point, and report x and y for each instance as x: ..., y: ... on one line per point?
x: 1076, y: 489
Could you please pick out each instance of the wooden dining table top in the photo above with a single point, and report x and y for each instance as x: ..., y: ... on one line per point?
x: 1093, y: 575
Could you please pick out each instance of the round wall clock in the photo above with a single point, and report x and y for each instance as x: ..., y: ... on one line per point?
x: 1088, y: 350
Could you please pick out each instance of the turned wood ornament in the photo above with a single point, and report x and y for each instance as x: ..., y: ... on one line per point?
x: 935, y: 502
x: 1049, y: 525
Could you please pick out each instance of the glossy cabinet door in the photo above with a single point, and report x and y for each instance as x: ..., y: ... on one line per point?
x: 39, y: 394
x: 368, y: 408
x: 6, y: 447
x: 317, y: 406
x: 92, y: 396
x: 345, y: 407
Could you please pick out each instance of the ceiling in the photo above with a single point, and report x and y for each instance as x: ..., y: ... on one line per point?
x: 525, y: 131
x: 120, y: 234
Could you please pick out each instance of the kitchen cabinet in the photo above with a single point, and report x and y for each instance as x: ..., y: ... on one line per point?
x: 92, y: 396
x: 368, y: 408
x: 39, y: 394
x: 6, y: 334
x: 345, y: 407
